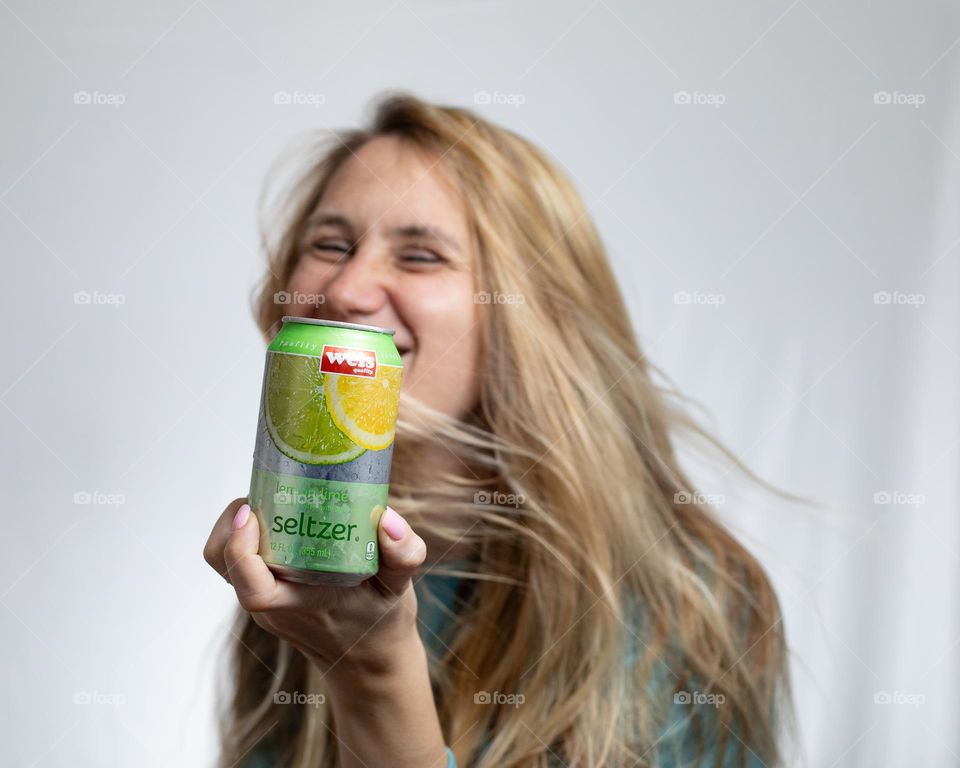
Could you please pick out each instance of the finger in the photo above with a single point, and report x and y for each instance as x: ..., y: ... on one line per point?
x: 401, y: 552
x: 254, y: 583
x: 217, y: 540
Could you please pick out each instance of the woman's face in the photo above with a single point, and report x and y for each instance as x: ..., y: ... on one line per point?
x: 389, y: 245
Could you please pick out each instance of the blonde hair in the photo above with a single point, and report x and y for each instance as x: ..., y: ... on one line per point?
x: 608, y: 554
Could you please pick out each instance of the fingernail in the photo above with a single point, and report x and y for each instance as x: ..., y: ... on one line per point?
x: 241, y: 517
x: 393, y: 524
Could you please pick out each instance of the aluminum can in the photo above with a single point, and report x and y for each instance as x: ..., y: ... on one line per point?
x: 324, y: 445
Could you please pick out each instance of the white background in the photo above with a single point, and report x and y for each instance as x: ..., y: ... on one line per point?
x: 793, y: 203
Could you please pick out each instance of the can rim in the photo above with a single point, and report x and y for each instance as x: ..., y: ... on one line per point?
x: 338, y: 324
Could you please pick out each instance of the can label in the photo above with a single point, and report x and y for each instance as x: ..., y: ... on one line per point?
x: 328, y: 410
x: 349, y: 362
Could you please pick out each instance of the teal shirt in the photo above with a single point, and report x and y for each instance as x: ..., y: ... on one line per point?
x: 675, y: 748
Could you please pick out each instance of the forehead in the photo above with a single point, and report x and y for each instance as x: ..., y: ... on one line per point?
x: 393, y: 182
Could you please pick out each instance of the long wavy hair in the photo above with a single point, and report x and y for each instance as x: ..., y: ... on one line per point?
x: 611, y: 592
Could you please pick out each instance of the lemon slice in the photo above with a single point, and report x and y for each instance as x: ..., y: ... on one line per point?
x: 365, y: 409
x: 296, y: 413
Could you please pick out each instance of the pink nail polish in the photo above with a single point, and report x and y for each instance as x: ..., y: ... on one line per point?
x: 393, y: 524
x: 241, y: 517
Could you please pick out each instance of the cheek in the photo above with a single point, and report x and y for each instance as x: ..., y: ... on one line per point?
x: 437, y: 316
x: 310, y: 275
x: 445, y: 377
x: 446, y: 326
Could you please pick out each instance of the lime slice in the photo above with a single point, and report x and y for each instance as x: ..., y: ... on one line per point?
x: 297, y: 416
x: 365, y: 408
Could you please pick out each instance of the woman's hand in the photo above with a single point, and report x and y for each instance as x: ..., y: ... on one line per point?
x: 343, y: 630
x: 364, y: 639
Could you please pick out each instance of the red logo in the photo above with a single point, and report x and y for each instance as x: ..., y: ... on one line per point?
x: 349, y: 362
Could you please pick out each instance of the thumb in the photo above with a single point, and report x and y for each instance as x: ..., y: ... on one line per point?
x: 401, y: 552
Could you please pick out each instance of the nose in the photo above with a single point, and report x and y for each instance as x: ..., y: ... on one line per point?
x: 358, y: 289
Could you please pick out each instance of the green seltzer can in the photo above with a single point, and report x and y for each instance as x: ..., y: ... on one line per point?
x: 321, y: 465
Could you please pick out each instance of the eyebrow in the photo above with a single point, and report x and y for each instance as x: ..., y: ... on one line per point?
x: 410, y: 230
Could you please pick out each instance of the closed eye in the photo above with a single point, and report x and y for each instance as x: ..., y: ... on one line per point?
x: 421, y: 257
x: 335, y: 250
x: 326, y: 248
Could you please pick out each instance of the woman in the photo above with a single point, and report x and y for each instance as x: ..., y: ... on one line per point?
x: 549, y: 593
